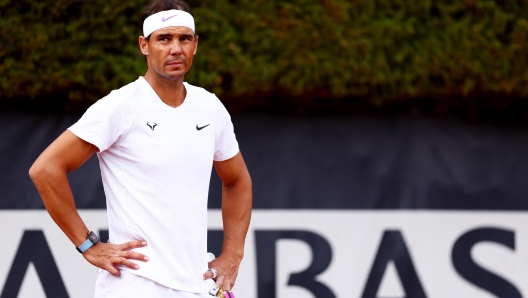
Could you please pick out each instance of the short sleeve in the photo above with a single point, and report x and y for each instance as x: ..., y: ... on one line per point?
x: 104, y: 122
x: 226, y: 145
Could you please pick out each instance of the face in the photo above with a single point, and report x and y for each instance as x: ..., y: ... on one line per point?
x: 170, y: 51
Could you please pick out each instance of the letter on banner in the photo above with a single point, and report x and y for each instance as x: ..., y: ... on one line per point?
x: 34, y: 248
x: 266, y: 262
x: 393, y: 248
x: 468, y: 269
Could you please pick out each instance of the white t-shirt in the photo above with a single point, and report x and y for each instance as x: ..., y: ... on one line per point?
x: 156, y: 165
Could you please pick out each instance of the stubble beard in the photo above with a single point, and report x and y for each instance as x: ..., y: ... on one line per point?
x: 172, y: 76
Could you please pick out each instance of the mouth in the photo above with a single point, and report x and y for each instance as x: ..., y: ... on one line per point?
x: 175, y: 63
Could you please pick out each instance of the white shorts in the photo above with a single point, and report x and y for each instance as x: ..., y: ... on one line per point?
x: 132, y: 286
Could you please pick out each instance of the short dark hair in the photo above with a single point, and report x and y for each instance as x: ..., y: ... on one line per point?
x: 156, y: 6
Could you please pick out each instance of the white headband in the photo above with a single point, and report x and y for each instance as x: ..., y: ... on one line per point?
x: 167, y: 18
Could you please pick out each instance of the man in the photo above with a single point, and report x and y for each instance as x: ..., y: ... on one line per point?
x: 156, y: 140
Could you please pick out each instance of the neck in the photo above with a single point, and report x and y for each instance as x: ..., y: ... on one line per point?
x: 171, y: 92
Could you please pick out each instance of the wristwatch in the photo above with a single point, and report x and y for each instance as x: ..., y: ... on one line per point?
x: 91, y: 240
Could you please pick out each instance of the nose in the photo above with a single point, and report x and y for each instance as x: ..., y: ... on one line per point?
x: 176, y: 48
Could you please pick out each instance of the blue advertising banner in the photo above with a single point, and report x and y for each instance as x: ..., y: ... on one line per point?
x: 343, y: 207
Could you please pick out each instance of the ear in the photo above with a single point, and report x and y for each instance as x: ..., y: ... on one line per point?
x: 143, y: 45
x: 196, y: 44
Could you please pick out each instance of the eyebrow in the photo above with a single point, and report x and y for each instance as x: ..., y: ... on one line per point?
x: 165, y: 35
x: 172, y: 35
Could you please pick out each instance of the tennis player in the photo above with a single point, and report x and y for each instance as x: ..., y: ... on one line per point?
x: 156, y: 139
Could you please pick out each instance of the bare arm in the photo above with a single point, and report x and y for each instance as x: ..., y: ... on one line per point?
x: 49, y: 173
x: 236, y: 214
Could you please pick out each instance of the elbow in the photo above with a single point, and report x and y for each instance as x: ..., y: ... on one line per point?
x: 37, y: 172
x: 246, y: 181
x: 249, y: 182
x: 34, y: 172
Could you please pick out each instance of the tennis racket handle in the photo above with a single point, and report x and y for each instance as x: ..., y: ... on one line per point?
x: 220, y: 292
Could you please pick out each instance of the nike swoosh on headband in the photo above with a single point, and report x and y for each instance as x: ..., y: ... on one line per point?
x: 166, y: 19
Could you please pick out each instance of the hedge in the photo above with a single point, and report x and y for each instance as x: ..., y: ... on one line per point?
x: 380, y: 50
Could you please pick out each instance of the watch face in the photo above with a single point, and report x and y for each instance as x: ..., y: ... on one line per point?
x: 93, y: 238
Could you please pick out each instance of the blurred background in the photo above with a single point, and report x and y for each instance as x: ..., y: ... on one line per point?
x: 386, y: 140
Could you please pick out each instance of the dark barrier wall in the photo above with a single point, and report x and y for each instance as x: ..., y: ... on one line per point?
x: 318, y: 162
x: 381, y: 178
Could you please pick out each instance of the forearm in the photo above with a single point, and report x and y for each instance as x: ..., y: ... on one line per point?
x: 54, y: 189
x: 236, y: 215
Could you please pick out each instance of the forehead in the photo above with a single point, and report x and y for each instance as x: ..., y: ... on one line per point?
x: 174, y: 30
